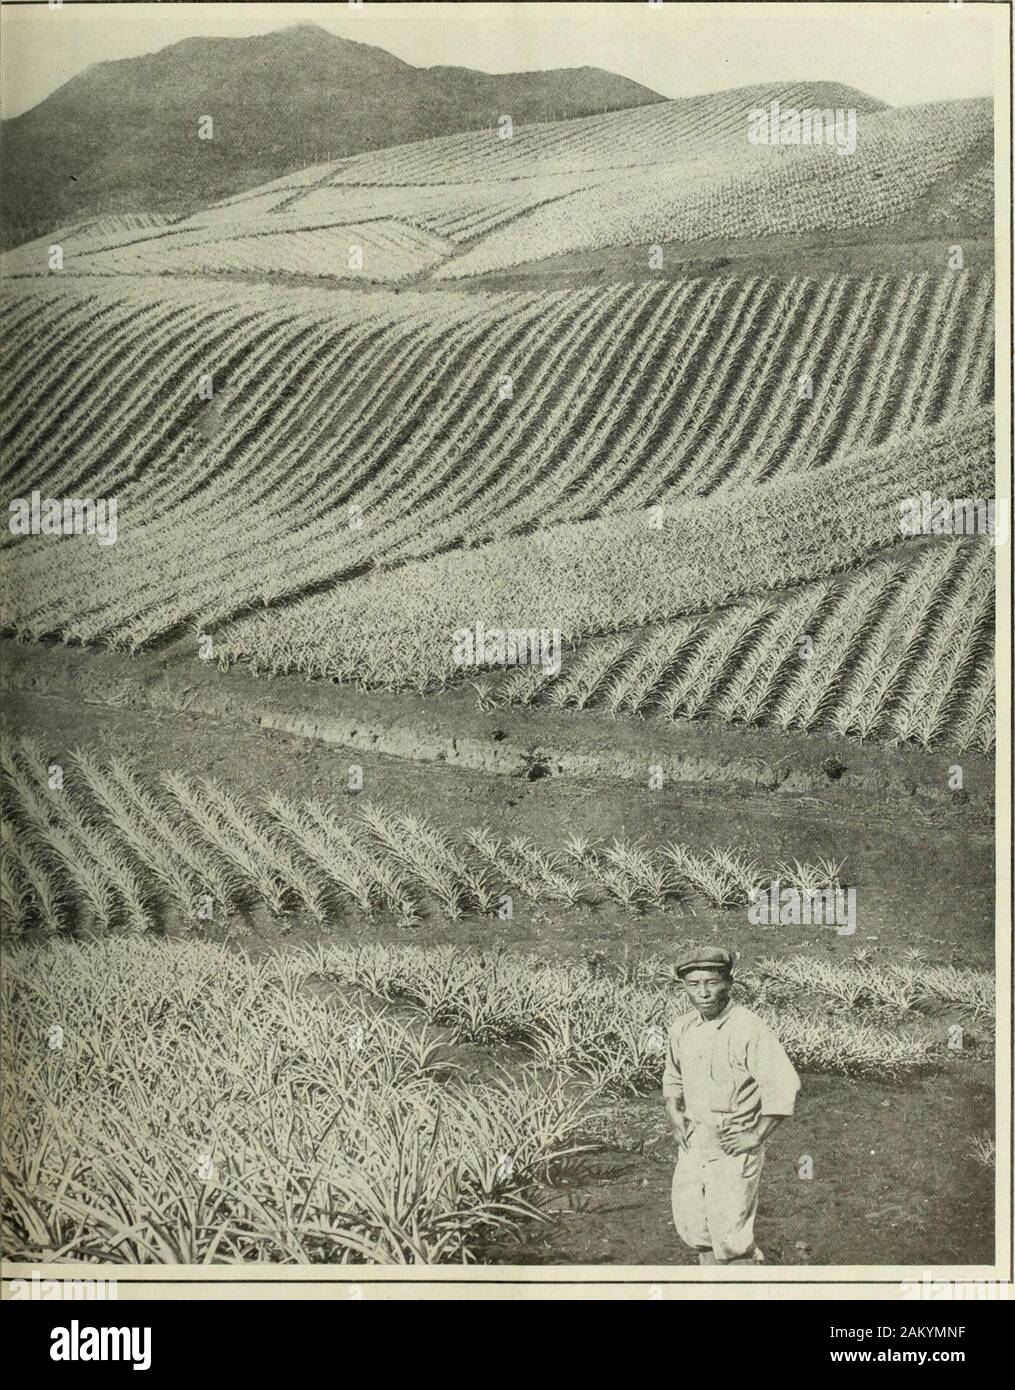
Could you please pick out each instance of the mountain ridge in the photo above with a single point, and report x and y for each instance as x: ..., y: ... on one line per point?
x: 121, y: 136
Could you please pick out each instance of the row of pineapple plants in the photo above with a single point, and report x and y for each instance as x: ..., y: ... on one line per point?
x: 902, y: 653
x: 106, y: 849
x: 299, y: 460
x: 176, y: 1101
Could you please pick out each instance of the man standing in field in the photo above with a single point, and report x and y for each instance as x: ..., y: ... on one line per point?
x: 727, y: 1084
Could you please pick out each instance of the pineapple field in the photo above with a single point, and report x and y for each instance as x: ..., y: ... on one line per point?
x: 335, y: 478
x: 324, y: 943
x: 472, y: 205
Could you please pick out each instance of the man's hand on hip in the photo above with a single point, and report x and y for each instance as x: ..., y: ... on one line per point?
x: 747, y: 1141
x: 681, y: 1125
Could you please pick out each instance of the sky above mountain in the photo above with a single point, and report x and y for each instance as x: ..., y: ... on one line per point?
x: 900, y: 53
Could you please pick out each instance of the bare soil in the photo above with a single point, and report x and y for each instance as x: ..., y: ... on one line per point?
x: 921, y: 857
x: 893, y: 1178
x: 892, y: 1183
x: 906, y: 251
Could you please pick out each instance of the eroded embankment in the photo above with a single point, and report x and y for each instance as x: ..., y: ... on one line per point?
x: 450, y: 729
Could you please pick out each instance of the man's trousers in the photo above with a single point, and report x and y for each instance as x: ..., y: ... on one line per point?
x: 715, y: 1198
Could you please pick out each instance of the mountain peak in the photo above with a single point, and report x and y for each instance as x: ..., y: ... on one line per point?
x: 118, y: 137
x: 315, y: 33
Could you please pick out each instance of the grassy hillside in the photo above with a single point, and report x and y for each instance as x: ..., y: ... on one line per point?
x: 122, y: 136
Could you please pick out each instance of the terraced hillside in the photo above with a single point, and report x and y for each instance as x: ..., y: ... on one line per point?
x: 902, y: 651
x: 371, y: 428
x: 677, y: 171
x: 498, y: 415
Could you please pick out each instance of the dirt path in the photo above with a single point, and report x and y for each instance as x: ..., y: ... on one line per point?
x: 449, y: 728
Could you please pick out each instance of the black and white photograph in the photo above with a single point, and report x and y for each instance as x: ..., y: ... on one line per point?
x: 505, y: 757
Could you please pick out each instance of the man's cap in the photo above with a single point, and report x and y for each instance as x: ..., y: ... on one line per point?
x: 705, y: 958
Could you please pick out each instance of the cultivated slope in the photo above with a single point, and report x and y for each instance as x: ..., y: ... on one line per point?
x: 122, y: 136
x: 398, y: 628
x: 751, y: 191
x: 347, y: 430
x: 677, y: 171
x: 901, y: 651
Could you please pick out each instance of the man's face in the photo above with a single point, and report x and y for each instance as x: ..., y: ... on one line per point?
x: 708, y: 991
